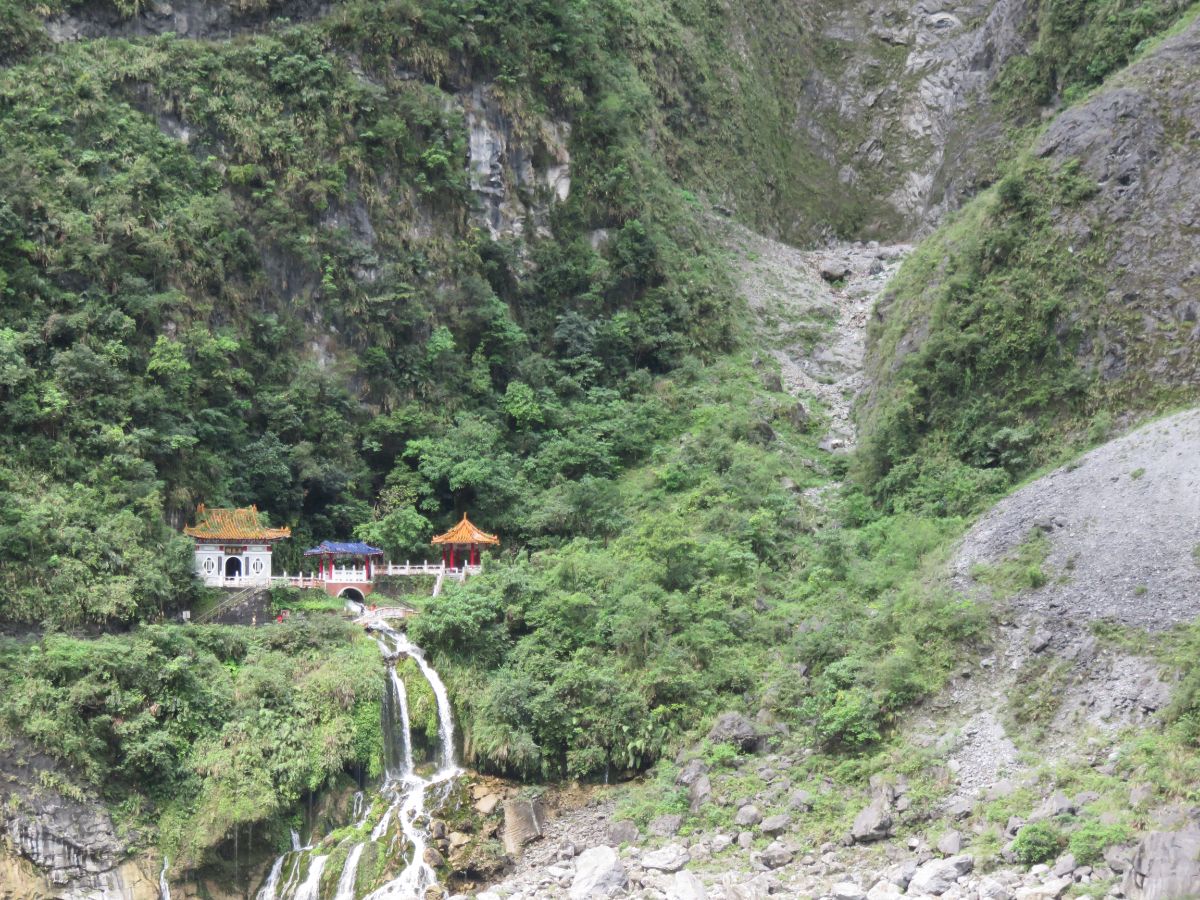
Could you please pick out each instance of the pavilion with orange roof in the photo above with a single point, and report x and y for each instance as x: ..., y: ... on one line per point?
x: 233, y: 547
x: 464, y: 535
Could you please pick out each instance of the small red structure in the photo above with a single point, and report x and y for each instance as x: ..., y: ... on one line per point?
x: 464, y: 536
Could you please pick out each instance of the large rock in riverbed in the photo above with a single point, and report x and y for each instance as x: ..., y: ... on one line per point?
x: 1166, y: 866
x: 598, y: 873
x: 524, y: 821
x: 939, y: 875
x: 874, y: 823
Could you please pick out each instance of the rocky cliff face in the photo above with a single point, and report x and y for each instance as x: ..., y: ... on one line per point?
x: 1138, y: 139
x: 908, y: 107
x: 58, y: 846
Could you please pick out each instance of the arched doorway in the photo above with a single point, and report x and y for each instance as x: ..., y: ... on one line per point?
x: 352, y: 594
x: 233, y: 567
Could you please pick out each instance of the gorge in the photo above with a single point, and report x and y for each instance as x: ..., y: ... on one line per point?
x: 827, y: 371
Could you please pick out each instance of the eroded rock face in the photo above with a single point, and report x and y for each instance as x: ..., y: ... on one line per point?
x: 1165, y: 866
x: 72, y: 843
x: 524, y: 821
x: 516, y: 175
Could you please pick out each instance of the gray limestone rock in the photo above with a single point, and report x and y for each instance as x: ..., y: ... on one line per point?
x: 623, y: 832
x: 666, y: 825
x: 670, y: 858
x: 1166, y: 866
x: 748, y: 815
x: 939, y: 875
x: 734, y: 728
x: 599, y: 872
x: 874, y: 823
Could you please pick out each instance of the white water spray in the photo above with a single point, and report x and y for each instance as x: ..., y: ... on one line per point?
x: 345, y: 885
x: 311, y: 888
x: 164, y: 889
x: 405, y: 791
x: 268, y: 890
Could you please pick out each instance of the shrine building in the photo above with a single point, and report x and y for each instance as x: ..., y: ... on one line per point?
x: 232, y: 547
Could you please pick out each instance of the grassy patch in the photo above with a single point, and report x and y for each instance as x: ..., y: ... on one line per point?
x: 1022, y: 570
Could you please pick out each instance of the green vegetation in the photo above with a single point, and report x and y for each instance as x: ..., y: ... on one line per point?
x: 1038, y: 842
x: 204, y: 729
x: 1088, y: 842
x: 1079, y: 43
x: 981, y: 400
x: 1022, y: 570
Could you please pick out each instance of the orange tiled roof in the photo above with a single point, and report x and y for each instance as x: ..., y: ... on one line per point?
x: 465, y: 532
x: 233, y: 525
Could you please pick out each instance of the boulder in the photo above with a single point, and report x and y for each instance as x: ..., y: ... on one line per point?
x: 775, y: 825
x: 1166, y: 865
x: 433, y: 858
x: 801, y: 800
x: 847, y: 890
x: 776, y: 855
x: 487, y: 804
x: 1064, y: 865
x: 885, y: 890
x: 670, y: 858
x: 524, y: 821
x: 991, y: 889
x: 598, y: 873
x: 686, y: 886
x: 734, y: 728
x: 623, y: 832
x: 950, y: 843
x: 689, y: 773
x: 1049, y: 890
x: 874, y: 823
x: 939, y: 875
x: 748, y: 815
x: 1140, y: 795
x: 665, y: 826
x: 721, y: 842
x: 699, y: 793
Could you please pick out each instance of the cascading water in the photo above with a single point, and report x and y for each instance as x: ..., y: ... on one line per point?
x: 345, y: 886
x: 310, y: 889
x: 268, y: 889
x: 164, y: 889
x: 404, y: 790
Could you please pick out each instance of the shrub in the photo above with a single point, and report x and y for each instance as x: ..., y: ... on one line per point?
x: 1091, y: 839
x: 1037, y: 842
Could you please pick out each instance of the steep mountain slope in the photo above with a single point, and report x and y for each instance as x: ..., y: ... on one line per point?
x: 1083, y: 258
x: 368, y: 264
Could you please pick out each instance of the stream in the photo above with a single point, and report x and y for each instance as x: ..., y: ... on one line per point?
x: 405, y: 791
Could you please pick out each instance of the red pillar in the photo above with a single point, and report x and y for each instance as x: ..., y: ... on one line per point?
x: 474, y: 554
x: 367, y: 566
x: 452, y: 556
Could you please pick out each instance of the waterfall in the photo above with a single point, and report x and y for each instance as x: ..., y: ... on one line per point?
x: 405, y: 791
x: 311, y: 888
x: 268, y: 890
x: 345, y: 886
x: 164, y: 889
x: 445, y: 719
x: 408, y: 790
